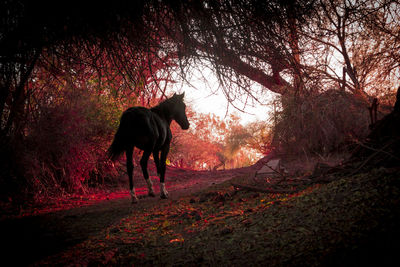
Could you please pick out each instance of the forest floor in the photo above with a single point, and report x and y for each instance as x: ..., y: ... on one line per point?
x: 206, y: 221
x: 34, y: 232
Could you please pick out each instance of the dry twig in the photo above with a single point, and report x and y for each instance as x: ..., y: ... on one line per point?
x: 264, y: 190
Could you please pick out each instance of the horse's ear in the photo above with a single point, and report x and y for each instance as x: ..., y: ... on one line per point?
x: 180, y: 97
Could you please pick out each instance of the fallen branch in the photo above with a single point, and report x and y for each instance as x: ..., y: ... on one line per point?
x: 278, y: 172
x: 324, y: 180
x: 377, y: 152
x: 264, y: 190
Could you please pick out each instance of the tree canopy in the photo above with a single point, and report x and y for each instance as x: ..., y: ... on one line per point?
x: 288, y: 47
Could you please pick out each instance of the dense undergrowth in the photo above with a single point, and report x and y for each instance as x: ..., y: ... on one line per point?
x: 62, y: 150
x: 320, y: 124
x: 351, y: 220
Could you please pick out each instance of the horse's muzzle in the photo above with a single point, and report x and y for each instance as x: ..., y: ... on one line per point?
x: 186, y: 126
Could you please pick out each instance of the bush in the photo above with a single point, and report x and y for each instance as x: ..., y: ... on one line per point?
x: 321, y: 124
x: 65, y: 147
x: 12, y: 169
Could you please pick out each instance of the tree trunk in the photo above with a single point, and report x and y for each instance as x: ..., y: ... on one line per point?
x: 294, y: 46
x: 19, y: 94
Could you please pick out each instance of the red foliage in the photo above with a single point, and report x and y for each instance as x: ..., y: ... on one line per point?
x: 211, y: 143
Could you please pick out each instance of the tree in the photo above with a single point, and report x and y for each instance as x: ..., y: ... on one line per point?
x: 197, y: 148
x: 343, y: 43
x: 286, y: 47
x: 125, y: 31
x: 260, y: 136
x: 95, y: 38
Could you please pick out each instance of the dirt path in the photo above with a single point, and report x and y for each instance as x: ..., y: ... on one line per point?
x: 27, y: 240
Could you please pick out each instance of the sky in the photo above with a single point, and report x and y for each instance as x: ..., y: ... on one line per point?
x: 205, y: 101
x: 206, y: 97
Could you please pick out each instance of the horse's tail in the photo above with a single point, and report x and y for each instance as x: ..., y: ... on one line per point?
x: 117, y: 147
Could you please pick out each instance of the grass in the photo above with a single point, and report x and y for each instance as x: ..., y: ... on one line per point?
x: 349, y: 220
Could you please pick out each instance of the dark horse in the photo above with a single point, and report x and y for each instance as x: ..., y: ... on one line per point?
x: 148, y: 130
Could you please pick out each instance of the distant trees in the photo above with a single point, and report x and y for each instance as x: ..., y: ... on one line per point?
x: 212, y: 143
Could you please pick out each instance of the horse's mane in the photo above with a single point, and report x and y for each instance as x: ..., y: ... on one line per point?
x: 164, y: 106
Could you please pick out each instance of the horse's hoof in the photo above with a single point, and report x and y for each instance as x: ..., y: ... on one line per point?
x: 135, y: 200
x: 151, y: 194
x: 164, y: 196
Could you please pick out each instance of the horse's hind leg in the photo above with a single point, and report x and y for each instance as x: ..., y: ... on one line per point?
x: 129, y: 167
x: 163, y: 166
x: 156, y: 156
x: 143, y: 164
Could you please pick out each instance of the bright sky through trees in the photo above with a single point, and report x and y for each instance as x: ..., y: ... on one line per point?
x: 204, y: 95
x: 206, y: 102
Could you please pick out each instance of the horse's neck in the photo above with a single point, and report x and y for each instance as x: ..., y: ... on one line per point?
x: 163, y: 112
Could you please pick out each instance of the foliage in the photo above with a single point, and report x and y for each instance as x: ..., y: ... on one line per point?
x: 260, y: 136
x: 66, y: 144
x: 321, y: 124
x: 197, y: 147
x: 290, y: 48
x: 212, y: 143
x: 69, y: 113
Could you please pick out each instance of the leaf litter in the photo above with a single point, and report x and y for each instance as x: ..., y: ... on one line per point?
x: 327, y: 224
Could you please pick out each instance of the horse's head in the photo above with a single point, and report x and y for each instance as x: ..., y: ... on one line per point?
x: 179, y: 111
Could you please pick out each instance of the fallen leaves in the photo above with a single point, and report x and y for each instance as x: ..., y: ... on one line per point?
x: 300, y: 228
x: 176, y: 240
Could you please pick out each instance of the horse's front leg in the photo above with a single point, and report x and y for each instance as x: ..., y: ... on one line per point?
x: 163, y: 166
x: 129, y: 167
x: 143, y: 164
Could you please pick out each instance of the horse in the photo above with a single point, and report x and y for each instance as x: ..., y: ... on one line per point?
x: 149, y: 130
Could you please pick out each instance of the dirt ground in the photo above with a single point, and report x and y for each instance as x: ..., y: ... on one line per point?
x: 350, y: 221
x: 30, y: 238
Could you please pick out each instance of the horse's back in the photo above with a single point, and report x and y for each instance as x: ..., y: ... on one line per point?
x: 137, y: 113
x: 139, y: 125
